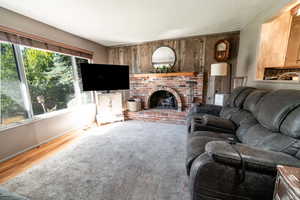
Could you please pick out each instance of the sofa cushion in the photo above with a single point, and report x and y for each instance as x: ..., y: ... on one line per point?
x: 260, y: 137
x: 291, y: 124
x: 244, y: 127
x: 236, y: 115
x: 274, y: 107
x: 226, y: 112
x: 252, y: 100
x: 240, y: 100
x: 212, y: 123
x: 240, y: 116
x: 238, y: 96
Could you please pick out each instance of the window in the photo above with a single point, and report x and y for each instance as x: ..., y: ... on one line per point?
x: 35, y: 81
x: 12, y: 106
x: 50, y: 79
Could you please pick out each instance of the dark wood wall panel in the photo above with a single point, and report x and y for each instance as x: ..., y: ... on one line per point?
x: 194, y: 54
x: 190, y: 54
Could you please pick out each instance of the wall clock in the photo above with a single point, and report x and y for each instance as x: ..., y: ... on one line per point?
x: 222, y: 50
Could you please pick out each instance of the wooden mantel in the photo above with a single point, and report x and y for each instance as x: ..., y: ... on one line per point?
x: 153, y: 75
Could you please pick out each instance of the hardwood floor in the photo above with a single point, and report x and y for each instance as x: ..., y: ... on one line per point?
x: 20, y: 163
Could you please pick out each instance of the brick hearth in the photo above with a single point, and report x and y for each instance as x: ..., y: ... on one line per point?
x: 158, y: 115
x: 142, y: 86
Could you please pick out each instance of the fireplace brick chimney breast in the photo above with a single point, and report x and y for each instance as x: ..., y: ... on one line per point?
x: 144, y: 85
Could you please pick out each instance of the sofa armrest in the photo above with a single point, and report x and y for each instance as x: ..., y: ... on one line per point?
x: 254, y: 159
x: 212, y: 123
x: 205, y: 109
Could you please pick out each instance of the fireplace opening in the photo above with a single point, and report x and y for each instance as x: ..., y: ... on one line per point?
x: 163, y: 100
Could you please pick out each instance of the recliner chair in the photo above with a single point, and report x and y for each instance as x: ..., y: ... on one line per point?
x: 233, y: 151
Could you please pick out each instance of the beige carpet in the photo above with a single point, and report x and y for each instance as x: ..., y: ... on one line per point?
x: 132, y: 160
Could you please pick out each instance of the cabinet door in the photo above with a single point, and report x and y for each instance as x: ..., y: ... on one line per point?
x: 274, y: 43
x: 109, y: 108
x: 293, y: 52
x: 104, y: 103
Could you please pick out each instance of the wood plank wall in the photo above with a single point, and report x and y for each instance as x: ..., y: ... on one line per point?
x: 193, y: 54
x: 189, y: 55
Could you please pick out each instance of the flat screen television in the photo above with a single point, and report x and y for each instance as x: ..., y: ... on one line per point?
x: 104, y: 77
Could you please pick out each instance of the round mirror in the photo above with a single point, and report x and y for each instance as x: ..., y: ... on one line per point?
x: 163, y: 57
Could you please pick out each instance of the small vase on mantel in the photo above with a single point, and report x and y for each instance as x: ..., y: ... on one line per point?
x: 163, y: 69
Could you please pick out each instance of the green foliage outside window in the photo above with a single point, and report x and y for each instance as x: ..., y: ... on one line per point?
x: 50, y: 79
x: 11, y: 104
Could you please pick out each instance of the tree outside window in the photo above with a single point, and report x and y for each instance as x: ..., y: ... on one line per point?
x: 50, y: 79
x: 12, y: 108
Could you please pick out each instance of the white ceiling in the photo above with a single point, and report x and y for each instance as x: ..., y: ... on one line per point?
x: 114, y: 22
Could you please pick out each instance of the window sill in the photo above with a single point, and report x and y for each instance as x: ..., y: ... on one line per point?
x: 40, y: 117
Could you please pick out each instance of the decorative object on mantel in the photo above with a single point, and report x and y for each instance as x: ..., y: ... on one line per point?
x: 163, y: 60
x: 163, y: 69
x: 222, y: 50
x: 218, y: 70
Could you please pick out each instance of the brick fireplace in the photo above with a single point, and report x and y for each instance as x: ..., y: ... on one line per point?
x: 165, y: 97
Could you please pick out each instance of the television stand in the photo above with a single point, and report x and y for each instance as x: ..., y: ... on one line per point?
x: 109, y: 108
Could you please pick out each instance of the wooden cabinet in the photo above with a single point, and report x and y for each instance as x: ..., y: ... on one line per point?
x: 287, y: 183
x: 279, y: 43
x: 293, y: 51
x: 109, y: 108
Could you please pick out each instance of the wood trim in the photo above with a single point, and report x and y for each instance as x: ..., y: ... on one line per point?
x: 153, y: 75
x: 42, y: 39
x: 291, y: 5
x: 285, y: 67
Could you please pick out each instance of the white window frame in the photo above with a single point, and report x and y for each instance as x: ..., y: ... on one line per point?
x: 23, y: 81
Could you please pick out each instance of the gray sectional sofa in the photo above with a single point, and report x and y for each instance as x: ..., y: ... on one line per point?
x: 233, y: 151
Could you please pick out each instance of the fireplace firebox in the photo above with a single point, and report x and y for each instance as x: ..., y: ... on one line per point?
x: 163, y: 100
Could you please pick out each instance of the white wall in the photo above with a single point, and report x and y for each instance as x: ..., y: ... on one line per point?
x: 249, y: 49
x: 20, y: 138
x: 17, y: 139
